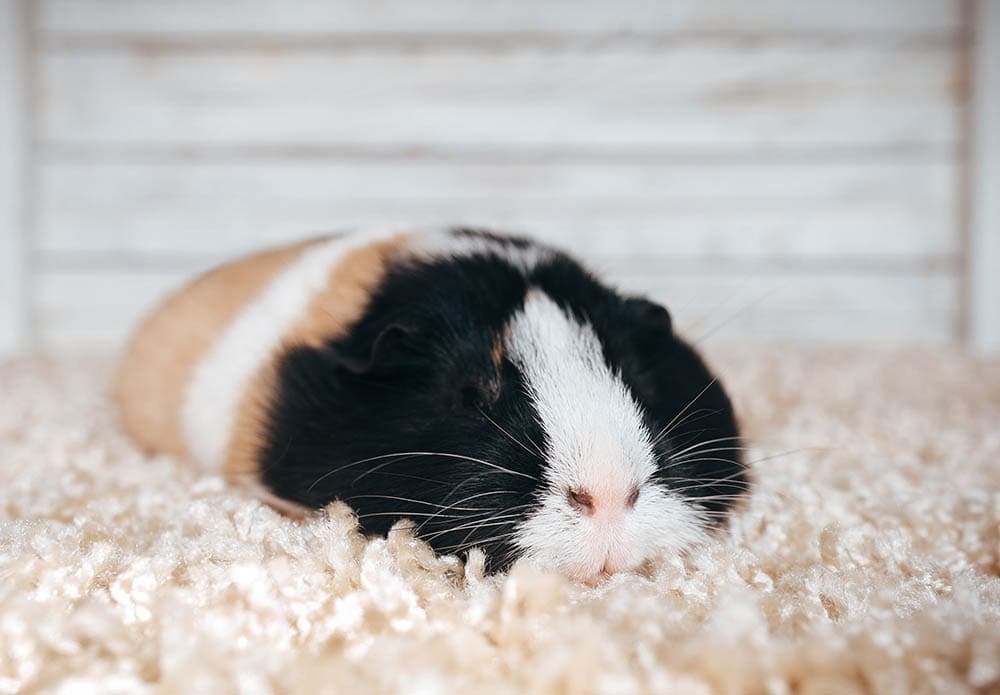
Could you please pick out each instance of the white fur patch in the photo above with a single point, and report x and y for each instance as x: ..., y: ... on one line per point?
x: 447, y: 244
x: 597, y: 442
x: 221, y: 377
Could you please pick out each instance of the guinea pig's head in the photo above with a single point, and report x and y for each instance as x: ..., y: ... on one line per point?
x: 538, y: 415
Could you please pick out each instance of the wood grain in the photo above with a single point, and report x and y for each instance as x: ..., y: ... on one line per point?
x: 984, y: 252
x: 12, y: 301
x: 868, y: 211
x: 97, y: 308
x: 705, y: 96
x: 706, y: 152
x: 269, y: 17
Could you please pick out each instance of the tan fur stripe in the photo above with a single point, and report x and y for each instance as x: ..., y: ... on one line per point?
x: 158, y: 362
x: 330, y: 314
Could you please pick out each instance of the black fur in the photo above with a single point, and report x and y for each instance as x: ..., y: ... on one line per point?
x: 410, y: 417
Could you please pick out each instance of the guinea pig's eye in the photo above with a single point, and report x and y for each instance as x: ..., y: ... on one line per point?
x: 632, y: 498
x: 649, y: 326
x: 471, y: 398
x: 649, y: 314
x: 479, y: 395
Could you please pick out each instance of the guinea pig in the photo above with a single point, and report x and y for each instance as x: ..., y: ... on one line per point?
x: 487, y: 387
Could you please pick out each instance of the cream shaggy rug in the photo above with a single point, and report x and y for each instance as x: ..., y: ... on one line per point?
x: 869, y: 560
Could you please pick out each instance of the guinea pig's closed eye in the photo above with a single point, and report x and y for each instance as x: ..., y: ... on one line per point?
x: 477, y: 394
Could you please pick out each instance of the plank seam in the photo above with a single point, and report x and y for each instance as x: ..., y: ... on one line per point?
x: 55, y: 151
x: 483, y: 42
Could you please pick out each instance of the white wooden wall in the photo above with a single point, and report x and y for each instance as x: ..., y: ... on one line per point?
x: 13, y: 254
x: 804, y: 161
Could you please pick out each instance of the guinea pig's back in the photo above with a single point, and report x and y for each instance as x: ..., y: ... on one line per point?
x: 159, y: 360
x: 199, y: 375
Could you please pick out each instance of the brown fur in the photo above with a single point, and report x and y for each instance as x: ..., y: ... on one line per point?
x: 154, y: 372
x: 330, y: 314
x: 496, y: 353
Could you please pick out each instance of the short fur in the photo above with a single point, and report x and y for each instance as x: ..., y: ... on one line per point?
x: 158, y: 363
x: 495, y: 392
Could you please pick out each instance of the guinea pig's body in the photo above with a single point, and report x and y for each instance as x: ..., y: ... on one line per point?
x: 486, y: 387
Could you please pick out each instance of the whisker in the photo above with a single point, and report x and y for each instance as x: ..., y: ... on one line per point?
x: 514, y: 439
x: 699, y: 448
x: 716, y: 306
x: 737, y: 314
x: 689, y: 419
x: 728, y: 481
x: 483, y: 516
x: 420, y: 453
x: 696, y: 503
x: 692, y: 402
x: 403, y: 514
x: 379, y: 467
x: 698, y: 457
x: 459, y: 547
x: 699, y: 452
x: 475, y: 526
x: 707, y: 459
x: 420, y: 478
x: 357, y: 463
x: 722, y: 496
x: 694, y: 458
x: 489, y: 464
x: 726, y: 501
x: 486, y: 515
x: 461, y: 501
x: 425, y: 503
x: 503, y: 523
x: 710, y: 515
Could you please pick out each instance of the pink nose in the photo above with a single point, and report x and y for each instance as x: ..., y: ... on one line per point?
x: 587, y: 503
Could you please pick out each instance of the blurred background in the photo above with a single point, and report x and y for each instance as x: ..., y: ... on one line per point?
x: 793, y: 170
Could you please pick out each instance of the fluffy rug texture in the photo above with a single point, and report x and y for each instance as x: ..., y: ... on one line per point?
x: 867, y: 560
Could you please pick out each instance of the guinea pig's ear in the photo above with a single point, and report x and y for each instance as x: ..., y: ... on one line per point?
x: 647, y: 325
x: 648, y: 315
x: 391, y: 348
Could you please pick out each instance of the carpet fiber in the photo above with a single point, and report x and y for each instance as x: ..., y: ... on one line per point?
x: 868, y: 560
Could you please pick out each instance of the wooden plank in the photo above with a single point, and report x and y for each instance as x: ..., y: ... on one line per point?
x: 12, y: 301
x: 984, y: 252
x: 269, y: 17
x: 862, y: 211
x: 800, y: 306
x: 97, y: 308
x: 719, y: 96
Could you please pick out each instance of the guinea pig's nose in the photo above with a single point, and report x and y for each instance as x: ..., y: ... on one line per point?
x: 581, y: 500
